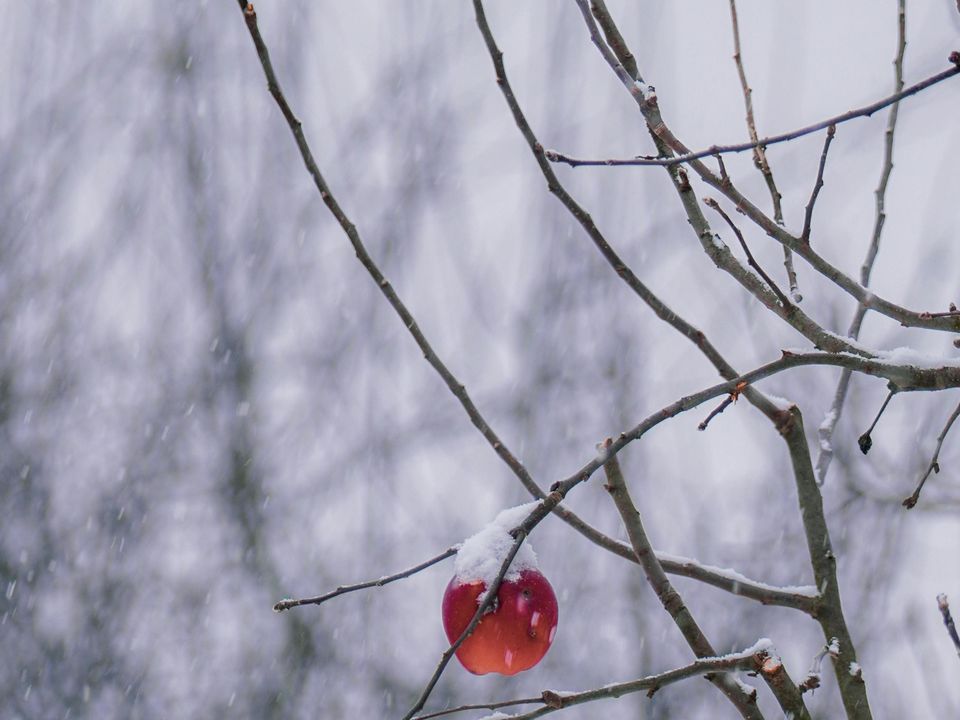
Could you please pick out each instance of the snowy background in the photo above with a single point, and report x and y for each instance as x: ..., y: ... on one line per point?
x: 206, y: 405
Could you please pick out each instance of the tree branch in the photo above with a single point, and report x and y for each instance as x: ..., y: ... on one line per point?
x: 688, y: 156
x: 752, y: 658
x: 288, y: 603
x: 824, y: 563
x: 934, y: 466
x: 818, y: 184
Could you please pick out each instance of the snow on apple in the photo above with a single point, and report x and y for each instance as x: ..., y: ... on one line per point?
x: 516, y: 634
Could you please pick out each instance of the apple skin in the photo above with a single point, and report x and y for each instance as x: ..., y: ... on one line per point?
x: 512, y: 638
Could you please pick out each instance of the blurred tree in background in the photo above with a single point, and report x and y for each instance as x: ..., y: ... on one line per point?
x: 206, y: 405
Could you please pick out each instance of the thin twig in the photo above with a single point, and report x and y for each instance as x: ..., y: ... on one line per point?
x: 722, y: 406
x: 711, y: 203
x: 934, y: 466
x: 881, y: 191
x: 944, y: 606
x: 669, y: 597
x: 760, y: 153
x: 865, y: 441
x: 379, y: 582
x: 751, y: 659
x: 808, y: 212
x: 946, y: 313
x: 865, y: 111
x: 727, y: 401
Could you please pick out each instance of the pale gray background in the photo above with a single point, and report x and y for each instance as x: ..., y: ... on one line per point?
x: 206, y: 405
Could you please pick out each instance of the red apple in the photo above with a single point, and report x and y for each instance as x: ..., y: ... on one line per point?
x: 515, y: 635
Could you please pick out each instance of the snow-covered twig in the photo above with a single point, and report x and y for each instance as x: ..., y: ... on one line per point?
x: 802, y: 597
x: 751, y: 658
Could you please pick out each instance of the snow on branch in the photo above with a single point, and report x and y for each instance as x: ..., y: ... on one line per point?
x: 748, y: 659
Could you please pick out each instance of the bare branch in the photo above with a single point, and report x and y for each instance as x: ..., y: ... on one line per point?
x: 451, y: 381
x: 379, y: 582
x: 686, y: 157
x: 881, y: 191
x: 716, y: 411
x: 818, y: 184
x: 934, y: 466
x: 944, y: 606
x: 666, y: 593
